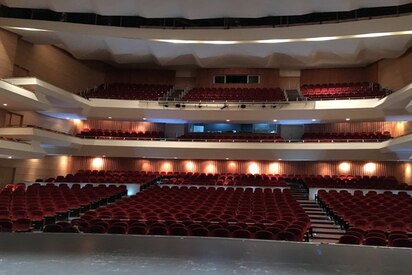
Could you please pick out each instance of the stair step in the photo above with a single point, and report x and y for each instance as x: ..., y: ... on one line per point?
x: 314, y: 211
x: 320, y: 221
x: 327, y: 231
x: 324, y: 241
x: 325, y: 226
x: 327, y: 236
x: 307, y: 202
x: 318, y: 216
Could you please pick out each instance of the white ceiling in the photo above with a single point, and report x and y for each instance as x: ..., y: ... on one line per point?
x: 192, y: 9
x: 141, y: 48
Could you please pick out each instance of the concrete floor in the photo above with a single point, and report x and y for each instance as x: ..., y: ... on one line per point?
x: 109, y: 254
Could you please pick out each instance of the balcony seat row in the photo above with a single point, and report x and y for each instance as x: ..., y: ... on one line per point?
x: 232, y: 137
x: 344, y: 137
x: 344, y: 90
x: 118, y: 134
x: 127, y: 91
x: 235, y: 94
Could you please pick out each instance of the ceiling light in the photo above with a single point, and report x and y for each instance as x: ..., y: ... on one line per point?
x: 175, y: 157
x: 285, y: 40
x: 326, y: 38
x: 28, y: 29
x: 227, y: 120
x: 109, y: 117
x: 313, y: 119
x: 347, y: 119
x: 144, y: 118
x: 279, y: 159
x: 9, y: 157
x: 227, y: 158
x: 4, y: 104
x: 67, y: 118
x: 275, y: 120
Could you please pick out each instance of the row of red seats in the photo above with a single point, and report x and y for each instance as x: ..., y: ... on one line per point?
x: 355, y: 136
x: 114, y: 134
x: 226, y: 181
x: 344, y: 90
x: 44, y: 204
x: 252, y: 137
x: 128, y: 91
x: 109, y: 176
x: 356, y: 183
x: 357, y: 236
x: 235, y: 94
x: 387, y: 212
x: 205, y: 205
x: 283, y: 230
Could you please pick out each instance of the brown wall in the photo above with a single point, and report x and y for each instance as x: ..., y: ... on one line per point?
x: 395, y: 128
x: 289, y: 83
x: 213, y: 166
x: 338, y: 75
x: 31, y: 169
x: 396, y: 73
x: 269, y: 78
x: 140, y: 76
x: 57, y: 67
x: 8, y: 46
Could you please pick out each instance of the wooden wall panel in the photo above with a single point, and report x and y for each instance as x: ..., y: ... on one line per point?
x: 269, y: 78
x: 186, y: 83
x: 219, y: 166
x: 121, y: 125
x: 289, y: 83
x: 31, y: 169
x: 395, y: 128
x: 395, y: 73
x: 140, y: 76
x: 338, y: 75
x: 57, y: 67
x: 8, y: 47
x: 350, y: 127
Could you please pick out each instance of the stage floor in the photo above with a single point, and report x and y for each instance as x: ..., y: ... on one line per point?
x: 28, y: 253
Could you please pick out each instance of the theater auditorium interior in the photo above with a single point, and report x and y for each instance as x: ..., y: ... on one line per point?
x: 205, y: 137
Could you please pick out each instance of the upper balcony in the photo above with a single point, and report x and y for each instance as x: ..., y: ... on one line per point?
x: 36, y: 95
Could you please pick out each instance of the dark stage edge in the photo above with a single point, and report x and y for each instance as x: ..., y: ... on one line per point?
x: 46, y: 253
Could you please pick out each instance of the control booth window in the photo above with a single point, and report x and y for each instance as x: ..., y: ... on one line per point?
x: 236, y: 79
x: 220, y: 79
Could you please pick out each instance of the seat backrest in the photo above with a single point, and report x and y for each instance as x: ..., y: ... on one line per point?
x: 349, y: 239
x: 264, y: 235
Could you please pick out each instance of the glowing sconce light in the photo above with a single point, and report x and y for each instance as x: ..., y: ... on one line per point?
x: 344, y: 167
x: 189, y: 166
x: 274, y: 168
x: 210, y: 168
x: 166, y: 167
x: 369, y: 167
x: 408, y: 171
x: 97, y: 163
x: 253, y: 168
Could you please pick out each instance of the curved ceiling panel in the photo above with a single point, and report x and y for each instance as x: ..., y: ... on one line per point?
x: 335, y: 45
x: 201, y: 9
